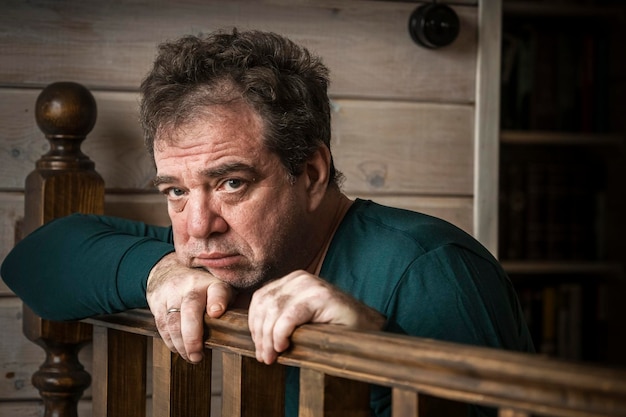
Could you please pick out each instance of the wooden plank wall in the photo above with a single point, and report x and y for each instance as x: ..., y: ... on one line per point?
x: 404, y: 116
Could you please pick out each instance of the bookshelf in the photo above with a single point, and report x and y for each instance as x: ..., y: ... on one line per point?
x: 562, y: 208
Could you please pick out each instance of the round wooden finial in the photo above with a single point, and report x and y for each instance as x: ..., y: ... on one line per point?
x: 66, y: 109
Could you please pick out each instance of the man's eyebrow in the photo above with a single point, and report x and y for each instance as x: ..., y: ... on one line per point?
x: 163, y: 179
x: 217, y: 172
x: 228, y: 168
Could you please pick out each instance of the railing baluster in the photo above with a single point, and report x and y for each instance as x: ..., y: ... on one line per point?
x: 323, y: 395
x: 63, y: 182
x: 250, y: 388
x: 119, y: 373
x: 180, y: 389
x: 509, y: 412
x: 311, y: 393
x: 404, y: 403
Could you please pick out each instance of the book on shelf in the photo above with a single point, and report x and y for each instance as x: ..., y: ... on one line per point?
x: 536, y: 210
x: 548, y: 315
x: 512, y: 201
x: 569, y: 322
x: 559, y: 226
x: 543, y: 102
x: 554, y: 317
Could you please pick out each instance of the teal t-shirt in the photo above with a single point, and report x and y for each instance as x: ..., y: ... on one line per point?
x: 429, y: 278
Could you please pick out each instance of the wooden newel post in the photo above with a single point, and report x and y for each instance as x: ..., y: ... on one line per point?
x: 63, y: 182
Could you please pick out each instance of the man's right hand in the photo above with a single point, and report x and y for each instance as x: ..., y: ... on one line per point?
x: 187, y: 293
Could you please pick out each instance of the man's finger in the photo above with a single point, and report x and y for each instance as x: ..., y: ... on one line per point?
x: 192, y: 328
x: 173, y: 321
x: 161, y: 324
x: 218, y: 296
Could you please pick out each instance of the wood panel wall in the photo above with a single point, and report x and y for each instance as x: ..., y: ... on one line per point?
x: 404, y: 117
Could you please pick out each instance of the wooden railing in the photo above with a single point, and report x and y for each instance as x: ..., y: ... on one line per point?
x: 336, y: 365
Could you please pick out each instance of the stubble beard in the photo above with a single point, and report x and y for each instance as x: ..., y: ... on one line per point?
x: 285, y: 252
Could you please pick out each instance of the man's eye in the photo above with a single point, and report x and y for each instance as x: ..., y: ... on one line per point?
x: 174, y: 192
x: 232, y: 184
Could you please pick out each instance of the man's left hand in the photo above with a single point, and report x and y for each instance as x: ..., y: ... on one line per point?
x: 280, y: 306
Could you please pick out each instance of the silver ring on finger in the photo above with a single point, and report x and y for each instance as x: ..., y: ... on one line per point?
x: 173, y: 310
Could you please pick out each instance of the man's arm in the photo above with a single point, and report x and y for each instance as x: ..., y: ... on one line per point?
x: 84, y: 265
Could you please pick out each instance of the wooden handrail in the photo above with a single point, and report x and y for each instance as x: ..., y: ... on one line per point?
x: 465, y: 373
x: 515, y: 383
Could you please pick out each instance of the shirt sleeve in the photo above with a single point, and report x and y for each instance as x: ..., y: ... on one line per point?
x: 84, y: 265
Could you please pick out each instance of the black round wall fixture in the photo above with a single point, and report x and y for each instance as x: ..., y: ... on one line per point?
x: 434, y: 25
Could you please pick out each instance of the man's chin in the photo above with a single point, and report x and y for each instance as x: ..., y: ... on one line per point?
x: 243, y: 281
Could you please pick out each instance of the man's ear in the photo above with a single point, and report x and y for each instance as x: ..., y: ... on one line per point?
x: 317, y: 176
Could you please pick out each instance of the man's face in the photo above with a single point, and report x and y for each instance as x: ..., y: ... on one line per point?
x: 233, y: 208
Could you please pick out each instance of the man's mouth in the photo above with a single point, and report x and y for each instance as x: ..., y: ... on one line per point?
x: 216, y: 260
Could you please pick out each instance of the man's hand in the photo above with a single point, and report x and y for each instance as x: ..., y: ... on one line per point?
x: 187, y: 294
x: 279, y: 307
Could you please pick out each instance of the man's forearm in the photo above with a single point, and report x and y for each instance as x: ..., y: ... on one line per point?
x: 81, y: 265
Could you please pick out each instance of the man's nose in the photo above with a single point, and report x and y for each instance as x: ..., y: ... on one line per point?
x: 204, y: 217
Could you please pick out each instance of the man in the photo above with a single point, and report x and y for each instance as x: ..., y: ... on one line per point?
x: 239, y: 128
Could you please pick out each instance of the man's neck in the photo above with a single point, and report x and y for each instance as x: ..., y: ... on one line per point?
x: 338, y: 209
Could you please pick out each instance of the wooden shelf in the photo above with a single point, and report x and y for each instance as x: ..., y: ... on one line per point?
x: 571, y: 179
x: 544, y: 137
x: 562, y: 268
